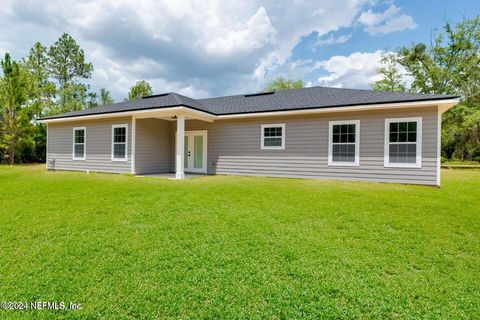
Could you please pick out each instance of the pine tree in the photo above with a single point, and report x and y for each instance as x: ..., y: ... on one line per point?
x: 105, y: 97
x: 15, y: 87
x: 67, y: 65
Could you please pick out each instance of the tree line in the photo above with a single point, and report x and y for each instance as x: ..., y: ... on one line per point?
x: 449, y: 64
x: 48, y: 81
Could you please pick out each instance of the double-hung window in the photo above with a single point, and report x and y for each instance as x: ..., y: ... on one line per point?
x: 344, y: 143
x: 403, y: 142
x: 119, y: 142
x: 79, y: 135
x: 273, y: 136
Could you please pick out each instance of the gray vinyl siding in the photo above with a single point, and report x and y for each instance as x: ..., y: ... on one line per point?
x: 98, y: 146
x: 234, y: 147
x: 152, y: 146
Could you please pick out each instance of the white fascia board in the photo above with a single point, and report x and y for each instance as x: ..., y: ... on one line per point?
x: 138, y: 113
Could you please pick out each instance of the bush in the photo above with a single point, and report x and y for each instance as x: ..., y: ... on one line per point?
x: 25, y: 152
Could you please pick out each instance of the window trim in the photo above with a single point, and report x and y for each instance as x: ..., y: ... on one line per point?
x: 272, y: 125
x: 418, y: 162
x: 126, y: 141
x: 84, y: 143
x: 356, y: 163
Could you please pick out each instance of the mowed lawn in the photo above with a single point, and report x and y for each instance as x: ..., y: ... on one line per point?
x: 222, y: 247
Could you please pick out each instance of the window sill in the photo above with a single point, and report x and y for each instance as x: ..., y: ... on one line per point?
x: 403, y: 165
x: 343, y: 164
x: 79, y: 159
x: 121, y: 160
x: 272, y: 148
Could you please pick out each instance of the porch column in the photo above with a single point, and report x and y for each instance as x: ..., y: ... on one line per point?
x: 180, y: 149
x: 134, y: 134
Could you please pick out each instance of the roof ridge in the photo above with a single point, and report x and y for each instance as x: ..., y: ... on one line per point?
x: 176, y: 97
x: 180, y: 99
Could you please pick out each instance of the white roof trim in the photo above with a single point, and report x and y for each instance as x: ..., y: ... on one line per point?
x: 138, y: 114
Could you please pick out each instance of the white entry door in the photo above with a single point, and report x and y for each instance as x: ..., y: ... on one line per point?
x: 195, y: 151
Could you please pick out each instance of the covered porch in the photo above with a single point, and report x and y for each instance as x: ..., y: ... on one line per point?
x: 162, y: 147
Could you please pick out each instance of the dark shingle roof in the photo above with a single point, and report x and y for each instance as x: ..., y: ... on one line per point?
x: 165, y: 100
x: 295, y: 99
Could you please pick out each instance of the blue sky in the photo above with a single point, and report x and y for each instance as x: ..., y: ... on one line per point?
x: 204, y: 48
x: 429, y: 16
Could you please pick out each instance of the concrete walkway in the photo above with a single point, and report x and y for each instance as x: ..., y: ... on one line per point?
x: 171, y: 175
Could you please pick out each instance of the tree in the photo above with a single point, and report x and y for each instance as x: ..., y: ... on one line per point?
x: 105, y: 97
x: 280, y: 83
x: 92, y: 100
x: 15, y: 87
x: 141, y: 89
x: 469, y: 145
x: 451, y: 65
x: 95, y: 100
x: 42, y: 95
x: 28, y: 91
x: 43, y: 89
x: 392, y: 78
x: 67, y: 65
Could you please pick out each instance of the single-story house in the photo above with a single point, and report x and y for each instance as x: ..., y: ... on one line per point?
x: 317, y: 132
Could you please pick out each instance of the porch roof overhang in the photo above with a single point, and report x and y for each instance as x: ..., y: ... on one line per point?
x: 169, y: 113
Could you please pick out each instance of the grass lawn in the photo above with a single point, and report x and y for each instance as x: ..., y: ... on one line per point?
x: 238, y: 247
x: 455, y: 163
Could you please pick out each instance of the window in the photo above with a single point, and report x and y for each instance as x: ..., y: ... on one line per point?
x: 119, y: 142
x: 273, y: 136
x: 79, y: 143
x: 403, y: 142
x: 343, y: 143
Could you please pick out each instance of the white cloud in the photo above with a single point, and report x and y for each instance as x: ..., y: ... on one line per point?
x: 258, y: 31
x: 356, y: 70
x: 191, y: 91
x: 327, y: 41
x: 199, y: 47
x: 301, y: 19
x: 388, y: 21
x: 370, y: 18
x: 399, y: 23
x: 121, y: 77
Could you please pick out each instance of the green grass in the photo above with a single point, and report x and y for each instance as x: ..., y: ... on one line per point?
x: 238, y: 247
x: 460, y: 163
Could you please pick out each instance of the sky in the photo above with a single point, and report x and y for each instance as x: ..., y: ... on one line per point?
x: 210, y: 48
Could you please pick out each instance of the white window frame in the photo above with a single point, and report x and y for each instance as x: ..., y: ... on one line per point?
x: 418, y: 163
x: 272, y: 125
x: 126, y: 141
x: 84, y: 143
x: 356, y: 163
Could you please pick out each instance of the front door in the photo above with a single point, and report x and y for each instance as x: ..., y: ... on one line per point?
x: 195, y: 159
